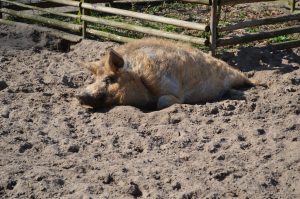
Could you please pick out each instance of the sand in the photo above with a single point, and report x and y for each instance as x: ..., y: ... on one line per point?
x: 50, y: 147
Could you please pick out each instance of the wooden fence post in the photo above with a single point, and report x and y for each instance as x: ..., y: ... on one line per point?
x: 293, y: 5
x: 219, y: 8
x: 0, y: 9
x: 213, y: 27
x: 83, y: 22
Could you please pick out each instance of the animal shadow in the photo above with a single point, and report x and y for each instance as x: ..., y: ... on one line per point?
x: 253, y: 58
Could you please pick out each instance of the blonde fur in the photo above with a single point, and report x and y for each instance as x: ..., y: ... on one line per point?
x: 164, y: 72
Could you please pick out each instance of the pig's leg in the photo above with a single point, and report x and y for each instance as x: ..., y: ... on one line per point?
x: 235, y: 94
x: 167, y: 100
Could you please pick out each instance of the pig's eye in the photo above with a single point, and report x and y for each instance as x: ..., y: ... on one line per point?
x: 110, y: 79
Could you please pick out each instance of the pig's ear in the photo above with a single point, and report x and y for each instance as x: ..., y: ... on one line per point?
x: 115, y: 60
x: 91, y: 66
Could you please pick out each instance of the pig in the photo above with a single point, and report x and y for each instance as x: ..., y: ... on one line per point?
x: 158, y: 72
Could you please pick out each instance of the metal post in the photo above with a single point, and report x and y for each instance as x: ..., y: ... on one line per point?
x: 213, y: 28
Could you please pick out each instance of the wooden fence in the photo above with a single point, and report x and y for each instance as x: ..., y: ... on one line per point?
x: 216, y: 41
x: 213, y: 29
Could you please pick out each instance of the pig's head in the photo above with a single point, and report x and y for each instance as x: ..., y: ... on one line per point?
x: 113, y: 85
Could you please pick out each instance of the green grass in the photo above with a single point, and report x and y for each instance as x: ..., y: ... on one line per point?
x: 170, y: 28
x: 278, y: 39
x: 224, y: 23
x: 252, y: 30
x: 242, y: 15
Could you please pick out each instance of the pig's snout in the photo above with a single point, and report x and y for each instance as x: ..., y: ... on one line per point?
x: 86, y: 98
x: 83, y: 98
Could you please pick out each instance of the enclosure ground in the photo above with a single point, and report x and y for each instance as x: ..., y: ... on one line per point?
x: 53, y: 148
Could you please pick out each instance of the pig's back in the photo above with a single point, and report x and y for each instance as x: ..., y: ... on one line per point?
x: 159, y: 55
x: 165, y: 66
x: 174, y: 68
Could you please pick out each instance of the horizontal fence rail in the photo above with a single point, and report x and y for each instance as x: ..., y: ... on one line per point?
x: 110, y: 36
x: 67, y: 2
x: 259, y: 22
x: 257, y: 36
x: 205, y: 2
x: 148, y: 17
x: 42, y: 4
x: 22, y: 5
x: 145, y: 30
x: 233, y: 2
x: 285, y: 45
x: 45, y: 20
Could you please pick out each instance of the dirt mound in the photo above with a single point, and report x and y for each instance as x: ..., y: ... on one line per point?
x: 53, y: 148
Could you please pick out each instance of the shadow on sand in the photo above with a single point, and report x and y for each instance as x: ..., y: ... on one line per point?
x: 257, y: 59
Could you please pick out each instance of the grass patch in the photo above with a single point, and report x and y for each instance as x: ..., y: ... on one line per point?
x: 170, y: 28
x: 252, y: 29
x: 279, y: 39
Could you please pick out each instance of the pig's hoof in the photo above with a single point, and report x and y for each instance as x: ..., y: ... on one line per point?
x: 166, y: 101
x: 236, y: 94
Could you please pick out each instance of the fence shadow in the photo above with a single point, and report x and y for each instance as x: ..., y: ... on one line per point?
x: 253, y: 58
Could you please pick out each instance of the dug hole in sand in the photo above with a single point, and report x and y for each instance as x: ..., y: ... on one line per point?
x: 53, y: 148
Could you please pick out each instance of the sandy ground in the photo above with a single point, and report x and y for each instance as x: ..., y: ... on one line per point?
x: 50, y: 147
